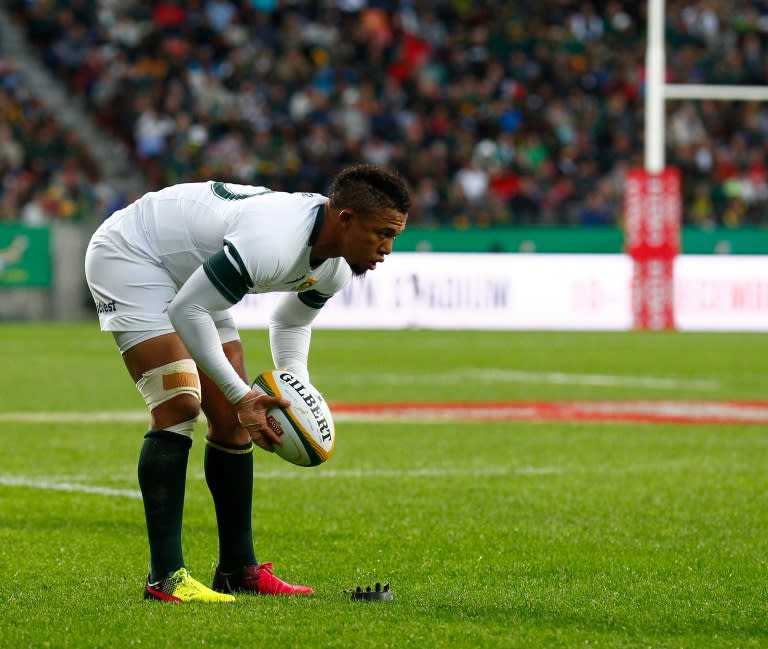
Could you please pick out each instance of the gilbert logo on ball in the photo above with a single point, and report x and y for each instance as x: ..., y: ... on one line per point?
x: 306, y: 426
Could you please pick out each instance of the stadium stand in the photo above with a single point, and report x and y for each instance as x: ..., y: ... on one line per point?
x: 41, y: 167
x: 54, y: 166
x: 498, y: 113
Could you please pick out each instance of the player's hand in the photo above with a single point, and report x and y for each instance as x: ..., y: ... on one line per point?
x: 252, y: 415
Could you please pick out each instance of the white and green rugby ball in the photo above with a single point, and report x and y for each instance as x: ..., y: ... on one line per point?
x: 306, y: 426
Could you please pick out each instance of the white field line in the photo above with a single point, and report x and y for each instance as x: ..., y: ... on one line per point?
x: 52, y: 484
x: 694, y: 411
x: 499, y: 375
x: 55, y: 484
x: 445, y: 472
x: 417, y: 413
x: 105, y: 416
x: 595, y: 411
x: 141, y: 416
x: 126, y: 417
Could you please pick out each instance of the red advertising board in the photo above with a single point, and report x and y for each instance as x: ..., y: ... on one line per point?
x: 652, y: 209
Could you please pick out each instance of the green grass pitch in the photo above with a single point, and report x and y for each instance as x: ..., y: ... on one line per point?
x: 491, y: 534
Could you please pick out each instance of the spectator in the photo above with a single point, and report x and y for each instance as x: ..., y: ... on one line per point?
x: 11, y: 152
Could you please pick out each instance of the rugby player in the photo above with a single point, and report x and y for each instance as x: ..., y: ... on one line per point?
x: 163, y: 273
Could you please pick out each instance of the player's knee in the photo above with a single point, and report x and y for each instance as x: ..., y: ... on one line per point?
x: 226, y: 429
x: 180, y: 408
x: 172, y: 394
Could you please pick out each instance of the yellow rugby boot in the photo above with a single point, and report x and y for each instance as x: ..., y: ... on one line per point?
x: 180, y: 587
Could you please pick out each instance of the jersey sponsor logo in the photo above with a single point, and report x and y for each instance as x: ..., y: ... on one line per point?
x: 106, y: 307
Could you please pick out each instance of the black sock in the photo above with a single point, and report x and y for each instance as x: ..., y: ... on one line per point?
x: 229, y: 473
x: 162, y: 478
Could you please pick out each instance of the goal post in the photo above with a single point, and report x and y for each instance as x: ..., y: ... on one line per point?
x: 653, y: 194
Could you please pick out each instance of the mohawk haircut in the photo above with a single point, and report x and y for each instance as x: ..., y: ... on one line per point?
x: 367, y: 188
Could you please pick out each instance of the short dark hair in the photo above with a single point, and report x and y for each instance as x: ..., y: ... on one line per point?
x: 366, y: 187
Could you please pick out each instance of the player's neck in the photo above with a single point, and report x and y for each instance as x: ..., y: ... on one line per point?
x: 326, y: 245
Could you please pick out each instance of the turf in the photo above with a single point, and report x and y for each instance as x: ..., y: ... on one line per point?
x: 490, y: 534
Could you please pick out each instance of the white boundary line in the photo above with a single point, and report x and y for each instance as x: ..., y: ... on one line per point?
x: 500, y: 375
x: 52, y: 484
x: 65, y: 484
x: 55, y: 484
x: 104, y: 416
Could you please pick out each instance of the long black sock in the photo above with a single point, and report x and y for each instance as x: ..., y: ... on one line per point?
x: 229, y: 473
x: 162, y: 478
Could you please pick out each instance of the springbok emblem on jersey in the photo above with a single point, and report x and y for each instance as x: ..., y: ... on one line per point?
x: 305, y: 284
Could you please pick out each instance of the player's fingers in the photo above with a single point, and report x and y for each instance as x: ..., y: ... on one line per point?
x: 260, y: 425
x: 270, y: 434
x: 260, y: 441
x: 255, y: 423
x: 268, y: 402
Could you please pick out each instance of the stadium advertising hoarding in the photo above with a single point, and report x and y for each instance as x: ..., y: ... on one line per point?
x: 721, y: 293
x: 533, y: 291
x: 25, y: 259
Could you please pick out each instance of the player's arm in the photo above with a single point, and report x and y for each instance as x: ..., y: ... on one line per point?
x: 290, y: 330
x: 190, y: 313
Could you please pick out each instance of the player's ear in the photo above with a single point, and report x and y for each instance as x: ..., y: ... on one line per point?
x: 345, y: 216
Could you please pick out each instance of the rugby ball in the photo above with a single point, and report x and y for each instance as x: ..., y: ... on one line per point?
x: 306, y: 426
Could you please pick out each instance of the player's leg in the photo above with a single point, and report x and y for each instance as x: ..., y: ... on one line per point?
x: 167, y: 379
x: 229, y: 468
x: 131, y: 291
x: 229, y: 474
x: 156, y: 366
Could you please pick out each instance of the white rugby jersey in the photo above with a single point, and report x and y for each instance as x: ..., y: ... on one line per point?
x: 243, y: 239
x: 251, y: 239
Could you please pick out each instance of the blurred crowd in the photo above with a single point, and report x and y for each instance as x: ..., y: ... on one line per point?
x: 46, y: 173
x: 496, y: 112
